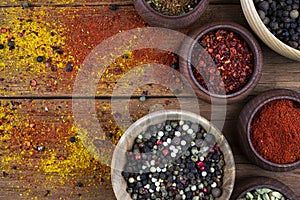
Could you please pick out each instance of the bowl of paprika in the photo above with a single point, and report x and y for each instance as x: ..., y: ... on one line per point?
x: 223, y: 62
x: 269, y: 130
x: 261, y: 188
x: 169, y: 13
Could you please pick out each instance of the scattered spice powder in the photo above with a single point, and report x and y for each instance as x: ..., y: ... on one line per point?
x: 231, y: 58
x: 31, y: 43
x: 173, y: 7
x: 275, y: 131
x: 56, y: 40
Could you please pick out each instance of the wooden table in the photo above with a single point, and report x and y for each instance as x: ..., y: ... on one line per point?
x: 50, y: 110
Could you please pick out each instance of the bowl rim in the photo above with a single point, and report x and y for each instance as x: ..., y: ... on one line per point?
x: 171, y: 16
x: 274, y: 43
x: 174, y: 114
x: 248, y: 128
x: 250, y: 40
x: 264, y: 182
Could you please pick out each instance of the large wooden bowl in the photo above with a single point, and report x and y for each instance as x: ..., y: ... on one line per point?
x: 253, y: 183
x: 264, y: 34
x: 186, y: 68
x: 125, y: 144
x: 173, y: 22
x: 244, y: 122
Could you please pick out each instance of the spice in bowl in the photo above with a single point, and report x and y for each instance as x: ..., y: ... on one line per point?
x: 173, y: 7
x: 282, y: 19
x: 263, y: 194
x: 232, y: 59
x: 275, y: 131
x: 174, y: 160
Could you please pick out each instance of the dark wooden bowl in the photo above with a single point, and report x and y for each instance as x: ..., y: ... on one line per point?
x: 125, y: 144
x: 186, y: 68
x: 244, y: 122
x: 173, y: 22
x: 249, y: 184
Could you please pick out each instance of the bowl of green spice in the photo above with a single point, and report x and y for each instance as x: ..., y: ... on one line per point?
x: 172, y: 155
x: 263, y: 188
x: 174, y: 14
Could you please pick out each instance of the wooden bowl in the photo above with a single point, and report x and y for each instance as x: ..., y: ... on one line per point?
x: 244, y: 122
x: 253, y: 183
x: 125, y: 144
x: 186, y: 68
x: 173, y: 22
x: 264, y: 34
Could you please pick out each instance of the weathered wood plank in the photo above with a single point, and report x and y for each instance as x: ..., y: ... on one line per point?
x: 278, y: 72
x: 29, y: 180
x: 7, y: 3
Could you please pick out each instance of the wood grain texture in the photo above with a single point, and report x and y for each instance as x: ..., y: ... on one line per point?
x: 34, y: 183
x: 245, y: 119
x: 266, y: 36
x: 8, y: 3
x: 278, y: 72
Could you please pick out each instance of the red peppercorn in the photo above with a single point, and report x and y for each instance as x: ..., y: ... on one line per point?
x: 200, y: 164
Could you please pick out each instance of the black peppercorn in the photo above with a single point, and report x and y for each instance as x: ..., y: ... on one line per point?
x: 40, y: 58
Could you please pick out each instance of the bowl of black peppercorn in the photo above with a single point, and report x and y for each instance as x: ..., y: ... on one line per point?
x: 172, y: 155
x: 277, y: 24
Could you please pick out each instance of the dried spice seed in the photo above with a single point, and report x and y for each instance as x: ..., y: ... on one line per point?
x: 79, y: 184
x: 25, y: 5
x: 229, y: 57
x: 5, y: 174
x: 40, y: 58
x: 1, y: 46
x: 41, y: 148
x: 69, y: 67
x: 33, y: 82
x: 175, y: 66
x: 72, y: 139
x: 173, y: 7
x: 275, y: 131
x: 113, y: 7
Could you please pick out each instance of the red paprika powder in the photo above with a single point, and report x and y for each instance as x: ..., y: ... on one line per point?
x: 275, y: 131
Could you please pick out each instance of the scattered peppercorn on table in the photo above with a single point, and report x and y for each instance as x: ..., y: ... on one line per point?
x: 42, y: 47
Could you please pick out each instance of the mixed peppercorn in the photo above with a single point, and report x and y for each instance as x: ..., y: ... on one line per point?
x: 174, y: 160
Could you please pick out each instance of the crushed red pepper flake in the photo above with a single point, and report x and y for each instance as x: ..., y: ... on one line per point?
x: 232, y: 60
